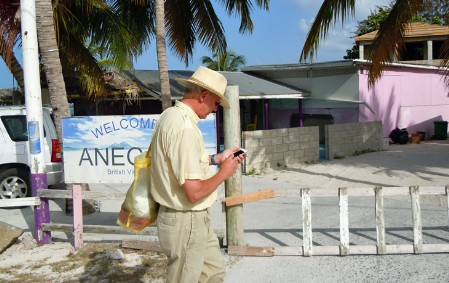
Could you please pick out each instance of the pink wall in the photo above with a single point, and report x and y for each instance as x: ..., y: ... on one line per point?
x: 408, y: 98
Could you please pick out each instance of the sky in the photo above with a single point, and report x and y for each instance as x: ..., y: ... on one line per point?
x: 277, y: 38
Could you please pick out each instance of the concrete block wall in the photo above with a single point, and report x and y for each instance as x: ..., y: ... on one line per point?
x: 279, y: 148
x: 353, y: 138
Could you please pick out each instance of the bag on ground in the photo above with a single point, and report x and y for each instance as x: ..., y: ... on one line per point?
x: 139, y: 209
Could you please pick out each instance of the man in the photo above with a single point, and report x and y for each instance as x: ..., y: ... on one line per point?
x: 183, y: 185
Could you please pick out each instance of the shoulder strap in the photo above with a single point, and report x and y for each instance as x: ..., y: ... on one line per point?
x: 148, y: 151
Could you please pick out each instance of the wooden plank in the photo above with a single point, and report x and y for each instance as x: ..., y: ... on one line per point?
x: 344, y: 221
x: 239, y: 199
x: 104, y: 229
x: 399, y: 249
x: 360, y: 192
x: 395, y: 191
x: 380, y: 220
x: 323, y: 192
x: 307, y: 222
x: 437, y: 190
x: 363, y: 250
x: 326, y: 250
x: 78, y: 215
x: 332, y: 250
x: 287, y: 193
x: 435, y: 248
x: 250, y: 251
x: 288, y: 251
x: 104, y: 195
x: 17, y: 202
x: 97, y: 229
x: 417, y: 222
x: 141, y: 245
x: 67, y: 194
x: 51, y: 194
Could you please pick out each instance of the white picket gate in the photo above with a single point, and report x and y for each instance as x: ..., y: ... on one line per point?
x: 344, y: 248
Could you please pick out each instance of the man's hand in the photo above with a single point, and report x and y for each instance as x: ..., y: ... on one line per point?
x: 227, y: 153
x: 196, y: 190
x: 229, y: 162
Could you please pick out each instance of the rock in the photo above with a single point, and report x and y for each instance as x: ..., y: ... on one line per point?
x: 8, y: 235
x: 115, y: 254
x: 28, y: 242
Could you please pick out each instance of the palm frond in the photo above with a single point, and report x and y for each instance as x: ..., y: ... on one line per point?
x: 444, y: 65
x: 9, y: 28
x: 389, y: 40
x: 243, y: 8
x: 328, y: 14
x: 189, y: 21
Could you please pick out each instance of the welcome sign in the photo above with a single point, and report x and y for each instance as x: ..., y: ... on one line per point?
x: 101, y: 149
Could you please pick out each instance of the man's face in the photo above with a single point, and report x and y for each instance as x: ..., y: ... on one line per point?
x: 211, y: 103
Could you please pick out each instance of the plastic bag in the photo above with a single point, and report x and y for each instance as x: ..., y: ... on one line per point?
x: 139, y: 209
x: 399, y: 136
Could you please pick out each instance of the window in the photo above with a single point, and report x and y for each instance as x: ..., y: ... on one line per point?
x: 16, y: 126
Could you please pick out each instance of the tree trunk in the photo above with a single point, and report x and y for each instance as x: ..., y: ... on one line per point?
x: 162, y: 54
x: 49, y: 52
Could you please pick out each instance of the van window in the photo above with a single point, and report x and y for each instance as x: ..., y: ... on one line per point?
x: 16, y: 126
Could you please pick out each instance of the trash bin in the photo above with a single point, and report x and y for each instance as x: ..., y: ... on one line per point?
x: 440, y: 130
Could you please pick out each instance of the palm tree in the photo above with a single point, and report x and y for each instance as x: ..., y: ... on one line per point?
x: 389, y: 39
x: 229, y: 61
x: 187, y: 22
x: 162, y: 54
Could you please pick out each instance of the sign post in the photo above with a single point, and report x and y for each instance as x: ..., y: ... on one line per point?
x: 33, y: 101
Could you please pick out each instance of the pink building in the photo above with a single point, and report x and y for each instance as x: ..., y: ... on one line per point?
x: 406, y: 96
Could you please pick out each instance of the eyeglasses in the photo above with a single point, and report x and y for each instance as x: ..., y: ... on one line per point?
x: 217, y: 103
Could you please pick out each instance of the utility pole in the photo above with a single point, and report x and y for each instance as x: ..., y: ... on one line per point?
x: 33, y: 102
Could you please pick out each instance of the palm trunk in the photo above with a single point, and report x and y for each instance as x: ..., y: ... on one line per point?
x: 162, y: 54
x: 49, y: 52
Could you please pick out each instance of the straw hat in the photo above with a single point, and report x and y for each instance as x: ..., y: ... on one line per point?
x: 211, y: 80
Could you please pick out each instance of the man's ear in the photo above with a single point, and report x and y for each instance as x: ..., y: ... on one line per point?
x: 202, y: 96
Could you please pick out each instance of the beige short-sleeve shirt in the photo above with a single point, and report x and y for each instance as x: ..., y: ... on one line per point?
x: 178, y: 153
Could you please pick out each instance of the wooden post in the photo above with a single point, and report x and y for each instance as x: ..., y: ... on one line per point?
x: 446, y: 190
x: 306, y: 222
x: 78, y: 215
x: 344, y: 221
x: 233, y: 186
x: 417, y: 222
x: 380, y: 221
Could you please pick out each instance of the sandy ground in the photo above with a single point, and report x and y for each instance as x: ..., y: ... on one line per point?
x: 274, y: 222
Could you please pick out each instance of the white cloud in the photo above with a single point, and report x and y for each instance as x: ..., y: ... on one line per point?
x: 309, y: 5
x: 304, y: 25
x: 363, y: 8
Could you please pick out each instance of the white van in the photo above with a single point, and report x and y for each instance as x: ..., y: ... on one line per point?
x: 14, y: 170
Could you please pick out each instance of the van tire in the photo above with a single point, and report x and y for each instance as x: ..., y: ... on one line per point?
x: 15, y: 183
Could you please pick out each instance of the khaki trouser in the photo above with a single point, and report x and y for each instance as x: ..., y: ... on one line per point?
x: 190, y: 243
